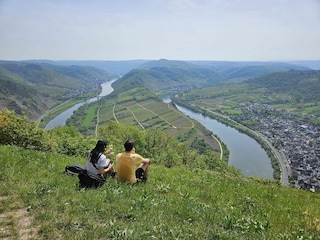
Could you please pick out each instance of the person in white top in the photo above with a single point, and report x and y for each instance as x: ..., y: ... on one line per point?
x: 97, y: 162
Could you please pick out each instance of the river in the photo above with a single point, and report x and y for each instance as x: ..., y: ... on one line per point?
x: 245, y: 153
x: 61, y: 119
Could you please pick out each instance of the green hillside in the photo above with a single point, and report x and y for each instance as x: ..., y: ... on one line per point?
x: 165, y: 75
x: 34, y: 88
x: 38, y: 201
x: 302, y: 86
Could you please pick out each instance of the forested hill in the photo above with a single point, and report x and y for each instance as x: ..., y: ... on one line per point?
x: 238, y: 71
x: 34, y: 88
x: 303, y: 85
x: 230, y: 70
x: 167, y: 75
x: 181, y: 75
x: 114, y: 67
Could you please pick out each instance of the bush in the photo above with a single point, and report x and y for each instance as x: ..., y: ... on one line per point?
x: 19, y: 131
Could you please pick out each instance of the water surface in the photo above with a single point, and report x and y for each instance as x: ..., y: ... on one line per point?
x: 61, y: 119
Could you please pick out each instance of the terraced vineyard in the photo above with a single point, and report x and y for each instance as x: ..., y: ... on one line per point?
x: 144, y: 114
x: 151, y: 114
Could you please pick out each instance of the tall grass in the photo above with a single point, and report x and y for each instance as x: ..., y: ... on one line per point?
x: 174, y: 204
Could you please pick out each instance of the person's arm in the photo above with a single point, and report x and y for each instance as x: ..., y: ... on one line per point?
x: 106, y: 166
x: 103, y: 170
x: 146, y: 161
x: 110, y: 150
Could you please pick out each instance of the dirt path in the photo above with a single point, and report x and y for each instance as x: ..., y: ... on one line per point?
x: 16, y: 224
x: 220, y: 146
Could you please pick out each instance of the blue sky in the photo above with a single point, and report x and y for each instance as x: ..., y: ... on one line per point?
x: 231, y: 30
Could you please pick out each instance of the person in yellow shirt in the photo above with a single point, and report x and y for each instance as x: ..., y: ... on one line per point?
x: 131, y: 167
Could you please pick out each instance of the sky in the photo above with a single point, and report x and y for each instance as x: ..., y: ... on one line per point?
x: 215, y: 30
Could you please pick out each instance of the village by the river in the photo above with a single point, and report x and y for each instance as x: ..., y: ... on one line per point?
x: 298, y: 140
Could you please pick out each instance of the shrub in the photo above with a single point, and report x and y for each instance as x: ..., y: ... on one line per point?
x: 19, y: 131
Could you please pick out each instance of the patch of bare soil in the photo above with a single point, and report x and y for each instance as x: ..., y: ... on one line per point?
x: 16, y: 224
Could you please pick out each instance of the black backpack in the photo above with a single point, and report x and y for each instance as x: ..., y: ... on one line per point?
x: 74, y: 168
x: 90, y: 180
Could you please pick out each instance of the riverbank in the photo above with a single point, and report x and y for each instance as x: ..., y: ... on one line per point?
x: 280, y: 171
x: 52, y: 113
x: 65, y: 111
x: 45, y: 118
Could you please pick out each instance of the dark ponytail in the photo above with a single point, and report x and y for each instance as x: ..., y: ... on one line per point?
x: 98, y: 150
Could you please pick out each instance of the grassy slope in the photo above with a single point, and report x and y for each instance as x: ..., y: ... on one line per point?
x: 174, y: 204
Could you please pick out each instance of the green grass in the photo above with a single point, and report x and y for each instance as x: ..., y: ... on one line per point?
x: 174, y: 204
x: 90, y: 116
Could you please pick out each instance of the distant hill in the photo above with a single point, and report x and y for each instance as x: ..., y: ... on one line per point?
x: 304, y: 86
x: 113, y: 67
x: 22, y: 98
x: 168, y: 63
x: 34, y: 88
x: 314, y: 65
x: 239, y: 71
x: 70, y: 77
x: 231, y: 71
x: 182, y: 75
x: 167, y: 75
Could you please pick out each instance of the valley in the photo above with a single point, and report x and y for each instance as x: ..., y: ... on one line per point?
x: 226, y: 88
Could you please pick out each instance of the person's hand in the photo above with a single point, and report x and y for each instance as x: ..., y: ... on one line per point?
x: 110, y: 150
x: 110, y: 168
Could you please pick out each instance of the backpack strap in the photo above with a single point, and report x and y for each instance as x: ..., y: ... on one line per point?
x: 94, y: 163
